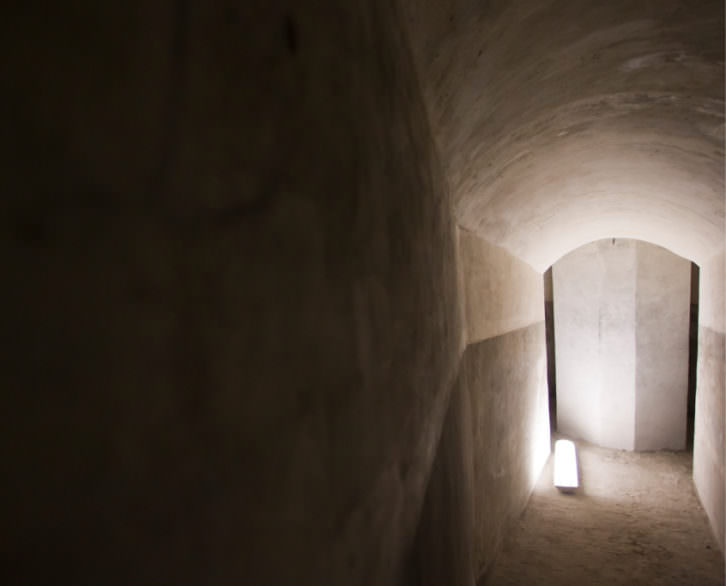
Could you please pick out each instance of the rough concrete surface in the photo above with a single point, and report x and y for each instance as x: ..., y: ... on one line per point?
x: 231, y: 307
x: 712, y: 294
x: 507, y: 382
x: 708, y: 441
x: 501, y: 292
x: 495, y: 438
x: 635, y: 520
x: 710, y: 417
x: 560, y: 123
x: 230, y: 301
x: 494, y: 443
x: 444, y: 549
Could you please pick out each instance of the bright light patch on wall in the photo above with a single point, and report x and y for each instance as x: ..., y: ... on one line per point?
x: 565, y: 466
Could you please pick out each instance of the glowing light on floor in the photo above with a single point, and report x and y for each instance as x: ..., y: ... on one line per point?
x: 565, y: 466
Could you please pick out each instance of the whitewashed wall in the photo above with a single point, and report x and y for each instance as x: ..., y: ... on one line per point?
x: 621, y: 327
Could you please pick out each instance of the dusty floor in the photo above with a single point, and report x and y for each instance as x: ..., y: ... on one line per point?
x: 634, y: 520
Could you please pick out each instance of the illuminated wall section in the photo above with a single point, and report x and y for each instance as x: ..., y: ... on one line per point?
x: 621, y: 328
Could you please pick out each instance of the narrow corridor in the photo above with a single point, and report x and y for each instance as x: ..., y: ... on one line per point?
x: 274, y: 303
x: 634, y: 520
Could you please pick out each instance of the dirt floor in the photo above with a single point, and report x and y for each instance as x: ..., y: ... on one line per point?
x: 634, y: 520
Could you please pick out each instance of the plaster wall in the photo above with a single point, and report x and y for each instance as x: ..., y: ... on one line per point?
x: 710, y: 418
x: 507, y: 381
x: 623, y: 136
x: 231, y: 294
x: 496, y: 438
x: 594, y: 316
x: 229, y: 266
x: 662, y: 309
x: 502, y: 293
x: 445, y: 546
x: 621, y: 324
x: 504, y: 372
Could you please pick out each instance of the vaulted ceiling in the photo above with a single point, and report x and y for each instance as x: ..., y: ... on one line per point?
x: 562, y: 122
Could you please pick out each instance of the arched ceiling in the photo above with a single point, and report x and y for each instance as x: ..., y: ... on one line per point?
x: 562, y: 122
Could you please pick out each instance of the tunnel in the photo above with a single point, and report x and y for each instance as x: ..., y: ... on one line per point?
x: 274, y: 302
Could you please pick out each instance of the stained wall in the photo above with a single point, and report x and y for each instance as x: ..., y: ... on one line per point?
x: 231, y: 291
x: 230, y: 294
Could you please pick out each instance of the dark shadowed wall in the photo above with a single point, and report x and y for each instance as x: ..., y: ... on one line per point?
x: 232, y: 311
x: 445, y: 548
x: 230, y: 300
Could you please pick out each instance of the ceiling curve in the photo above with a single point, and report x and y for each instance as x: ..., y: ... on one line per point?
x: 562, y: 122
